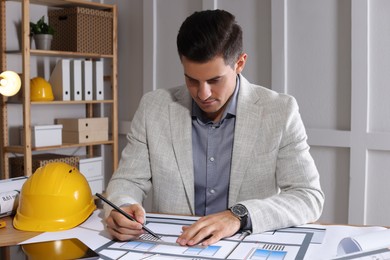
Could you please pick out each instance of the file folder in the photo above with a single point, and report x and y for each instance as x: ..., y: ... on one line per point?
x: 87, y: 80
x: 76, y: 83
x: 60, y: 80
x: 98, y: 80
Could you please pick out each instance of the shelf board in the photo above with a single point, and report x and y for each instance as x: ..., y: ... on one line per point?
x: 71, y: 102
x: 51, y: 53
x: 68, y: 3
x: 19, y: 148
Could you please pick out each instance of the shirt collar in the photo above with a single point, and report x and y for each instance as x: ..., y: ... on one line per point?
x: 230, y: 110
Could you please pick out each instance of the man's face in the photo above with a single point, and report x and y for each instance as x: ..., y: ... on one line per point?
x: 211, y: 84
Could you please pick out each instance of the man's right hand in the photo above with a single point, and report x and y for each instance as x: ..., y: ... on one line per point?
x: 122, y: 228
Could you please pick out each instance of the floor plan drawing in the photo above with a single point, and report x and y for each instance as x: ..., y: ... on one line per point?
x: 282, y: 244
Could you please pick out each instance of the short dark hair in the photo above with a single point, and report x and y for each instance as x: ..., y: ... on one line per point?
x: 207, y: 34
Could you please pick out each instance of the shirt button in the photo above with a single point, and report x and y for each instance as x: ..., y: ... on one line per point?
x: 212, y: 159
x: 212, y: 191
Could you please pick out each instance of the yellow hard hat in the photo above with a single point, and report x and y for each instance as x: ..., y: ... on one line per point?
x: 56, y: 197
x: 40, y: 90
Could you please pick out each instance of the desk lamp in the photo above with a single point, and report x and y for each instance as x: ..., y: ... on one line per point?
x: 9, y: 83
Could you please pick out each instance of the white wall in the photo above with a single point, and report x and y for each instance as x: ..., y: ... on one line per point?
x: 377, y: 128
x: 318, y: 74
x: 333, y: 56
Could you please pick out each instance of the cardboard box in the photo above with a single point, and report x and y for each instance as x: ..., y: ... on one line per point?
x: 44, y: 135
x: 38, y: 160
x: 80, y: 29
x: 91, y: 167
x: 84, y: 137
x: 83, y: 124
x: 84, y: 130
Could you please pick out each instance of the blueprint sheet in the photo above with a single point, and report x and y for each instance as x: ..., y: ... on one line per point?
x: 284, y: 244
x: 290, y: 243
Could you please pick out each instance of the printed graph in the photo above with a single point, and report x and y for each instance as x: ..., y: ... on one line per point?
x: 208, y: 251
x: 139, y: 245
x: 269, y: 252
x: 148, y: 243
x: 264, y: 254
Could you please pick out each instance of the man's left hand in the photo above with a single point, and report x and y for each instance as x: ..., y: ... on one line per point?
x: 210, y: 229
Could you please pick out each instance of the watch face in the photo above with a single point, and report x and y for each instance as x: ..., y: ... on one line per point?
x: 239, y: 210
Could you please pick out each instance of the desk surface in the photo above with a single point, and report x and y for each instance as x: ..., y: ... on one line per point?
x: 90, y: 233
x: 11, y: 236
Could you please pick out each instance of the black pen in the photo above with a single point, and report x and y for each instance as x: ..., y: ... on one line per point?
x: 126, y: 215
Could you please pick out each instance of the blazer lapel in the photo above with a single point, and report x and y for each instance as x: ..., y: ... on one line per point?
x: 245, y: 133
x: 181, y: 130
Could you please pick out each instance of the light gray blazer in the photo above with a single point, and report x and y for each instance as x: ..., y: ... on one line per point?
x: 272, y: 172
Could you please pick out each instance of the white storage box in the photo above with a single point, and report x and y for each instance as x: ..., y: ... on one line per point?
x: 91, y: 167
x: 44, y: 135
x: 96, y: 185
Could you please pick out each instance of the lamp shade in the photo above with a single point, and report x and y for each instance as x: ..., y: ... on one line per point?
x: 9, y: 83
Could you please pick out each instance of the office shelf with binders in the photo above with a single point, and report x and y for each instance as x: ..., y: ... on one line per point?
x: 26, y: 56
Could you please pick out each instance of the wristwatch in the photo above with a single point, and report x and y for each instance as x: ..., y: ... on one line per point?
x: 240, y: 212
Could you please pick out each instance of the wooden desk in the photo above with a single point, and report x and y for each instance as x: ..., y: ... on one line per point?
x: 11, y: 236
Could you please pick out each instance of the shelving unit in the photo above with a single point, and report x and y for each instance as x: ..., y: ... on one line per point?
x: 26, y: 53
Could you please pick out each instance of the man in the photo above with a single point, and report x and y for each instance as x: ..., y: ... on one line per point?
x: 219, y: 147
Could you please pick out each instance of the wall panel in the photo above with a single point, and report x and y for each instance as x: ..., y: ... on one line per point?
x: 378, y: 192
x: 319, y: 61
x: 379, y: 60
x: 333, y: 165
x: 168, y: 67
x: 254, y: 16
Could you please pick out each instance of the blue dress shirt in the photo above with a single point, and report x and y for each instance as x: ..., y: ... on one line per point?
x: 212, y: 154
